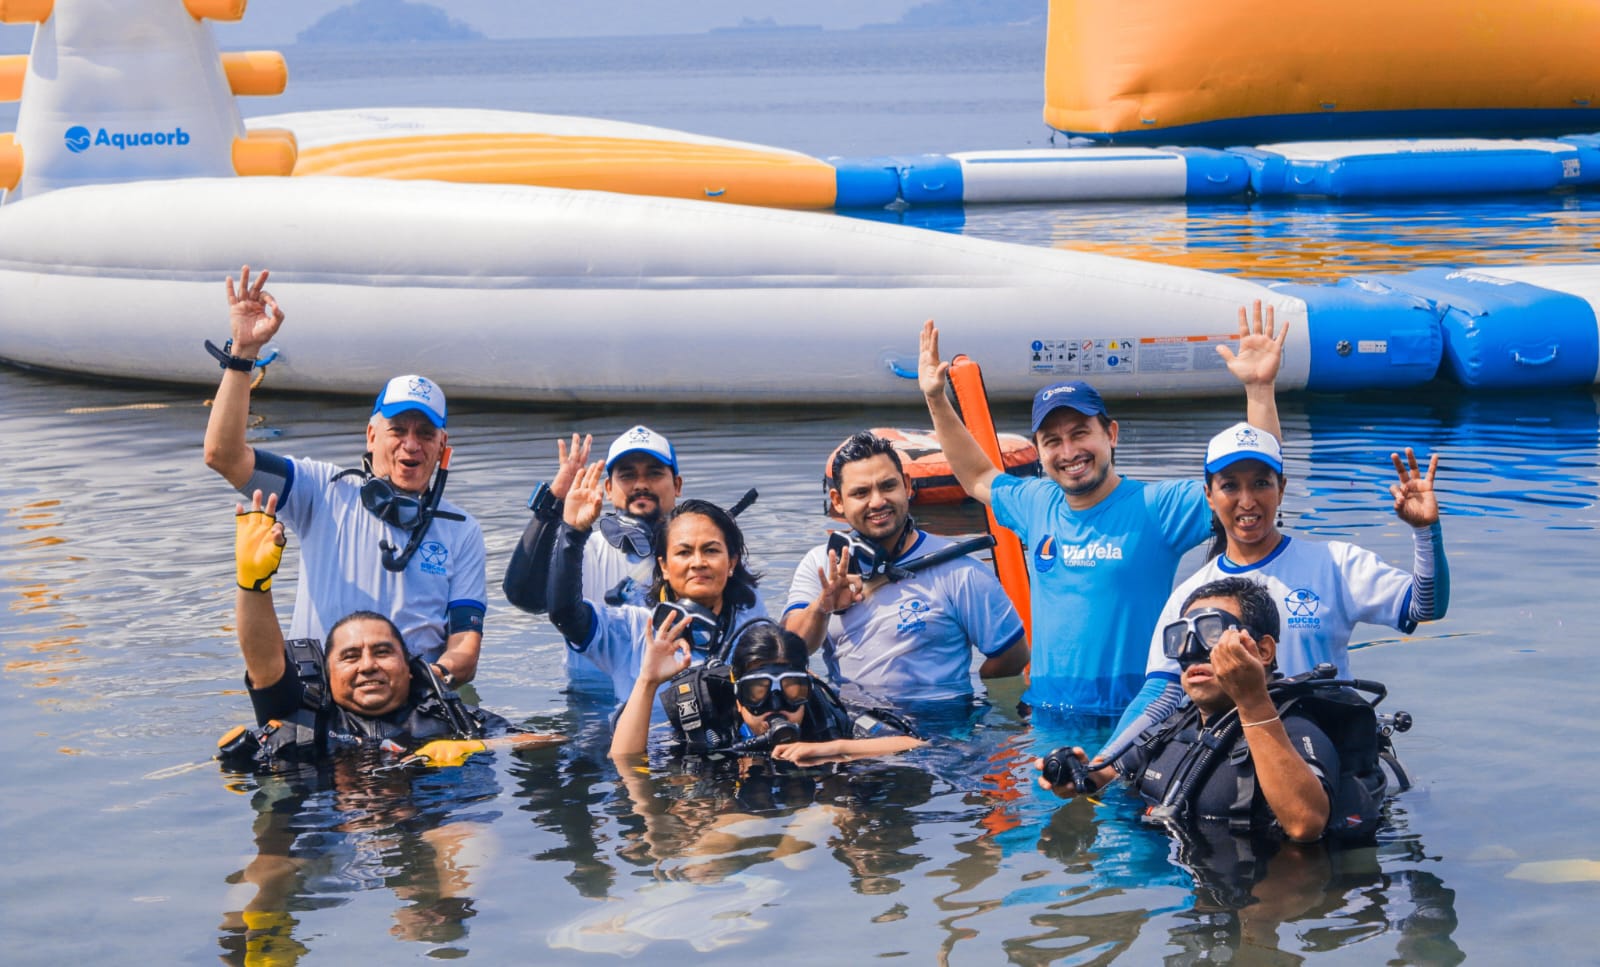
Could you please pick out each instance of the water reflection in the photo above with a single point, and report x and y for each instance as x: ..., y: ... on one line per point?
x: 1304, y: 240
x: 323, y: 834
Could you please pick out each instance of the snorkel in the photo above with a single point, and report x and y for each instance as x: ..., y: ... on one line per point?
x: 430, y: 507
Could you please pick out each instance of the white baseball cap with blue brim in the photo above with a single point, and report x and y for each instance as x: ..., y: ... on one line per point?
x: 642, y: 439
x: 1243, y: 442
x: 412, y: 392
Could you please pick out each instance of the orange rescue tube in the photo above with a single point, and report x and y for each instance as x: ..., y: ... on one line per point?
x: 1010, y: 560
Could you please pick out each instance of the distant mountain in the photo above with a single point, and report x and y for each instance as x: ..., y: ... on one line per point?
x: 382, y: 22
x: 975, y: 13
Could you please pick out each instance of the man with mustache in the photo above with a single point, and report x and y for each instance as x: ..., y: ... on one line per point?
x: 643, y: 484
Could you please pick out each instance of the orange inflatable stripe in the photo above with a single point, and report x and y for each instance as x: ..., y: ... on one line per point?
x: 670, y: 168
x: 255, y: 73
x: 1010, y: 560
x: 1113, y: 66
x: 13, y: 69
x: 10, y: 161
x: 26, y: 11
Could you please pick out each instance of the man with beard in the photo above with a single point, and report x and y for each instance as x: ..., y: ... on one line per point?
x: 909, y: 639
x: 643, y: 484
x: 1102, y: 549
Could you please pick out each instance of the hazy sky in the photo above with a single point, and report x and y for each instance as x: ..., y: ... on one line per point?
x: 278, y: 21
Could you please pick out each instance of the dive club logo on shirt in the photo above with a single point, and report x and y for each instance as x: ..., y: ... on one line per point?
x: 913, y: 617
x: 1044, y: 556
x: 434, y: 556
x: 1302, y: 605
x: 80, y: 139
x: 1049, y: 552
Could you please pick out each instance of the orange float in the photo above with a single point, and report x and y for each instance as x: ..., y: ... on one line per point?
x: 932, y: 481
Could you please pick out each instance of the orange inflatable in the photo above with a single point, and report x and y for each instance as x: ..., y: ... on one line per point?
x: 932, y: 482
x: 1010, y: 560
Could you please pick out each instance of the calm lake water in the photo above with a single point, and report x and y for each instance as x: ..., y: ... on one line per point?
x: 119, y: 668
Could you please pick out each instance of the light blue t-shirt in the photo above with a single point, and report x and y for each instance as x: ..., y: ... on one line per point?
x: 1099, y: 579
x: 912, y: 640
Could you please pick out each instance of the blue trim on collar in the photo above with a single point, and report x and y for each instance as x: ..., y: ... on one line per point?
x: 1228, y: 567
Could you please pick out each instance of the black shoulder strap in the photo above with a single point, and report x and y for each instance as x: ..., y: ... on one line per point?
x: 307, y: 663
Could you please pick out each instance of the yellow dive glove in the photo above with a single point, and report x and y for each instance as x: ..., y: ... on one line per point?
x: 448, y: 752
x: 255, y: 554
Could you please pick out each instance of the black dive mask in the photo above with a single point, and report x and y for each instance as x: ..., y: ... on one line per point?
x: 773, y: 688
x: 704, y: 630
x: 389, y: 505
x: 1189, y: 640
x: 868, y: 558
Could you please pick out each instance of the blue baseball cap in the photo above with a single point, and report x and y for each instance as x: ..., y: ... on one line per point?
x: 412, y: 393
x: 1076, y: 395
x: 642, y: 439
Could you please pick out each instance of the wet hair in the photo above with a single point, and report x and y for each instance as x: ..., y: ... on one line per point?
x: 1256, y: 607
x: 762, y: 643
x: 741, y: 589
x: 366, y: 616
x: 1219, y: 534
x: 862, y: 445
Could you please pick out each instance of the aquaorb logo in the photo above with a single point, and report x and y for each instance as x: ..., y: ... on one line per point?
x: 80, y: 139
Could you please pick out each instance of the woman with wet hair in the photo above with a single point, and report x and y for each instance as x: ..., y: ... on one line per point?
x: 701, y: 582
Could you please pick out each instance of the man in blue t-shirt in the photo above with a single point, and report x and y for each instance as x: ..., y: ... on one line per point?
x: 1102, y: 549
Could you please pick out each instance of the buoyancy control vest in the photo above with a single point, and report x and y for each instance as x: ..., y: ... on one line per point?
x: 699, y: 702
x: 319, y: 728
x: 1172, y: 761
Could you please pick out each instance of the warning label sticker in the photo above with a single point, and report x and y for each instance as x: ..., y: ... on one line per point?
x: 1111, y: 356
x: 1081, y: 357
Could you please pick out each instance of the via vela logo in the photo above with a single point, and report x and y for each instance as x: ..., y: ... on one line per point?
x: 80, y: 139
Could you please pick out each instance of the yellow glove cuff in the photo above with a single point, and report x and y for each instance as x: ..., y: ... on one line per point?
x: 449, y: 752
x: 255, y: 554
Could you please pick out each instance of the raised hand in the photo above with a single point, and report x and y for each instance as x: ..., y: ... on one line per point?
x: 1414, y: 499
x: 253, y: 314
x: 571, y: 461
x: 1236, y: 661
x: 931, y: 373
x: 667, y: 652
x: 1260, y: 351
x: 840, y: 588
x: 258, y: 542
x: 582, y: 506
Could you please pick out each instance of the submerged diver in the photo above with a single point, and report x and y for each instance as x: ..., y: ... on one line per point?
x: 376, y: 539
x: 361, y: 693
x: 1254, y: 751
x: 700, y: 575
x: 1322, y: 589
x: 777, y: 706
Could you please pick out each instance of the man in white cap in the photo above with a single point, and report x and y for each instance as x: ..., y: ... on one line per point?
x: 643, y: 483
x: 378, y: 539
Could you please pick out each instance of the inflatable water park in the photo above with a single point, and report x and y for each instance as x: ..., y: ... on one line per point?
x: 522, y: 256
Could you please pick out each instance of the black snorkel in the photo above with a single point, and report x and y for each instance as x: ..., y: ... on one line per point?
x: 869, y: 560
x: 430, y: 509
